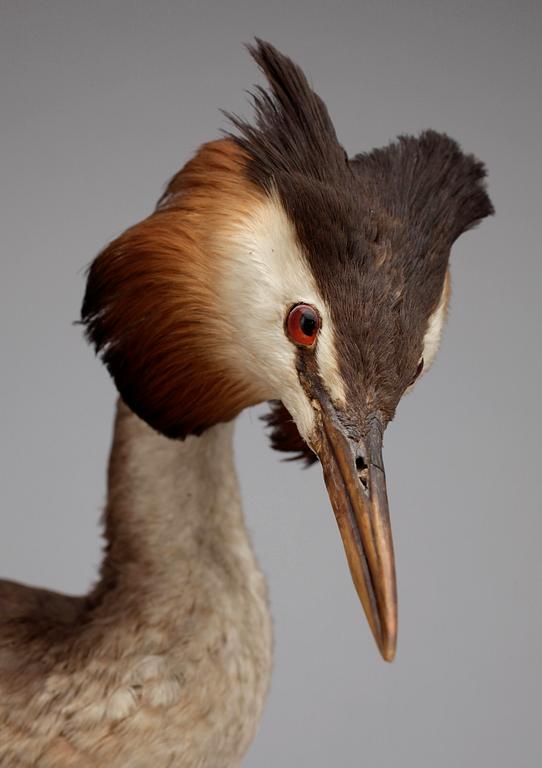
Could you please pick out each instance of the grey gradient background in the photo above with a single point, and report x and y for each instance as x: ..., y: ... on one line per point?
x: 100, y: 103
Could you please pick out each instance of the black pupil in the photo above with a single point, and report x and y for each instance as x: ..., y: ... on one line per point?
x: 307, y: 323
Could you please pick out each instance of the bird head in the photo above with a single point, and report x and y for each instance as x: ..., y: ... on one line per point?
x: 275, y: 268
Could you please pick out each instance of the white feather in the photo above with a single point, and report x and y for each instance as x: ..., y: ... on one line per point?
x: 268, y: 273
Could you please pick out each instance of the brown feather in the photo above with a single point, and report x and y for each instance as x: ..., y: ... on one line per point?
x: 151, y: 307
x: 285, y: 436
x: 376, y: 230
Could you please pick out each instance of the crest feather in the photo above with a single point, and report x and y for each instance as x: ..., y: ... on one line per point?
x: 285, y: 436
x: 427, y: 181
x: 293, y: 132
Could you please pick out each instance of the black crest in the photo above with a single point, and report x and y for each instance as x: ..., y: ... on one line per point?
x: 292, y: 131
x: 377, y: 229
x: 427, y: 183
x: 284, y: 434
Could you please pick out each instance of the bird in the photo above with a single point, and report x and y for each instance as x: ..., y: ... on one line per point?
x: 274, y: 269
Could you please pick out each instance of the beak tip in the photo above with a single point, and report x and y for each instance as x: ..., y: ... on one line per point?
x: 364, y: 524
x: 388, y: 654
x: 387, y: 646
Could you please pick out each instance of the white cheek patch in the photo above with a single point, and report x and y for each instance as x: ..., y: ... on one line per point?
x: 268, y: 273
x: 435, y: 325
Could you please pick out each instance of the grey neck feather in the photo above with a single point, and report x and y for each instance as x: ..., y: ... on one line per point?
x: 174, y: 512
x: 168, y: 660
x: 180, y: 578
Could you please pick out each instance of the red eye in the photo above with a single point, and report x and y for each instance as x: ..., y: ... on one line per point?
x: 303, y: 324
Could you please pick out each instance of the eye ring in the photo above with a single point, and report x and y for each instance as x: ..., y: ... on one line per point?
x: 303, y: 324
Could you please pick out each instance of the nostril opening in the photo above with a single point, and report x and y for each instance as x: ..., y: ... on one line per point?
x: 363, y: 471
x: 360, y: 463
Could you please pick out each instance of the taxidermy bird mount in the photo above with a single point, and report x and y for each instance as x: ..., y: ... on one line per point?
x: 274, y: 268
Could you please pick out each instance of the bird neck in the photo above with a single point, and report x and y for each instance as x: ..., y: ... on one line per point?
x: 181, y: 608
x: 173, y: 513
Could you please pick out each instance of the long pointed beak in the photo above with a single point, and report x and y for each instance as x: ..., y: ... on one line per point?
x: 359, y: 499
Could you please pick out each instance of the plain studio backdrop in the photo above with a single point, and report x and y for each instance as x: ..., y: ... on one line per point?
x: 100, y: 103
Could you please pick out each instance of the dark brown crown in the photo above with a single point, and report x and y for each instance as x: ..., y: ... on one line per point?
x: 377, y: 229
